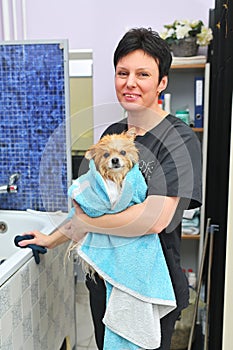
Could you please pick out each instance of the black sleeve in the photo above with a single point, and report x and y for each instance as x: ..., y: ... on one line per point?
x: 177, y: 171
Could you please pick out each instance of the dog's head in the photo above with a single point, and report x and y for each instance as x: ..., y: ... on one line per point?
x: 114, y: 155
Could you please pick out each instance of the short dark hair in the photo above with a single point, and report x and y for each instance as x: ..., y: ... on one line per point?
x: 150, y: 42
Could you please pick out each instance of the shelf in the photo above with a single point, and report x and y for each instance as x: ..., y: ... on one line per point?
x: 193, y: 62
x: 198, y: 129
x: 188, y: 66
x: 190, y: 237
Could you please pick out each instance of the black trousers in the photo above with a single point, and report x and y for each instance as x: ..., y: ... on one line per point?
x: 97, y: 292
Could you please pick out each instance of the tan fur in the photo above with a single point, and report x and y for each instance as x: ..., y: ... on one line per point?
x: 114, y: 145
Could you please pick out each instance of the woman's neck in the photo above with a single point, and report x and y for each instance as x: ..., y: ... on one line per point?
x: 144, y: 121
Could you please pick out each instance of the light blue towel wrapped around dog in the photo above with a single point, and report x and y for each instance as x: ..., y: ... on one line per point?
x: 139, y: 288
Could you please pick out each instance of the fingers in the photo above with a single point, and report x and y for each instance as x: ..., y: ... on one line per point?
x: 75, y: 204
x: 34, y: 240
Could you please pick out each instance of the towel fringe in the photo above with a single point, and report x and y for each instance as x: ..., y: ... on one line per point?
x: 87, y: 269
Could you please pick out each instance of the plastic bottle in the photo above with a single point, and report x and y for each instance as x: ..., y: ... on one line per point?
x: 167, y: 103
x: 183, y: 115
x: 160, y: 103
x: 192, y: 278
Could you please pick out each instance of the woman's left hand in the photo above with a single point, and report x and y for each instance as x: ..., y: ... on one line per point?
x: 77, y: 229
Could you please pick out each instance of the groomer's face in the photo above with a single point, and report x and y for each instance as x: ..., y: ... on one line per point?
x: 136, y: 81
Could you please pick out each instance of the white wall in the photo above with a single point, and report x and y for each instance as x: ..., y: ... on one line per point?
x: 99, y: 25
x: 228, y: 305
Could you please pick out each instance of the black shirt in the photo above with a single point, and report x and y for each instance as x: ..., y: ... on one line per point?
x: 170, y: 160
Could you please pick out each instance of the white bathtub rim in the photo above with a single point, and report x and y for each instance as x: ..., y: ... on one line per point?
x: 9, y: 267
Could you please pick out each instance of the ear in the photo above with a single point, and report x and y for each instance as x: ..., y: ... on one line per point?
x: 90, y: 153
x: 131, y: 132
x: 163, y: 83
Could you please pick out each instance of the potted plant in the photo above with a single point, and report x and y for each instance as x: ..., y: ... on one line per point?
x: 184, y: 37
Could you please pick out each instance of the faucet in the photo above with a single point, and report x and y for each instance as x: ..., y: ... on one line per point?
x: 11, y: 187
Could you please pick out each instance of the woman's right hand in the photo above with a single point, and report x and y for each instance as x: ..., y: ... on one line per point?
x: 39, y: 239
x: 49, y: 241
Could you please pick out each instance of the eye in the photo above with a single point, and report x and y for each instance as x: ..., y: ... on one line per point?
x: 143, y: 75
x: 122, y: 74
x: 123, y: 153
x: 106, y: 155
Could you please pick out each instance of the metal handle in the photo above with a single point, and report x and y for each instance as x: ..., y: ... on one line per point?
x: 13, y: 178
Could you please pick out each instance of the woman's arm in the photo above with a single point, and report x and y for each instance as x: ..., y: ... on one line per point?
x: 59, y: 236
x: 151, y: 216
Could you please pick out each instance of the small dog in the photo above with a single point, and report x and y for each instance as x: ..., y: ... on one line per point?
x: 114, y: 156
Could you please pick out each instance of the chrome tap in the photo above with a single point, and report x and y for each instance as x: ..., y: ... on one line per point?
x: 11, y: 187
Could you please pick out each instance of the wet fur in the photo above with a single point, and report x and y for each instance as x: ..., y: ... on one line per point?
x: 115, y: 146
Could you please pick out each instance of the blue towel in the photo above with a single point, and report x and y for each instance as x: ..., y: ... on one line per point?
x: 134, y: 269
x: 191, y: 222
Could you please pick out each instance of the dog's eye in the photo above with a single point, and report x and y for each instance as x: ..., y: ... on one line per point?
x: 123, y: 153
x: 106, y: 155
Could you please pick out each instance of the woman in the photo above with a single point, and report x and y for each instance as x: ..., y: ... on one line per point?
x: 170, y: 160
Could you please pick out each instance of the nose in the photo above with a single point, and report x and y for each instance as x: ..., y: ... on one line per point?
x: 115, y: 162
x: 131, y: 81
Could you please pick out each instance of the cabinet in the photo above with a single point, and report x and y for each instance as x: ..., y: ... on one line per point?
x: 181, y: 86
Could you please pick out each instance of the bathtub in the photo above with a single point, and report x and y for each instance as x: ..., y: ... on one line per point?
x: 14, y: 223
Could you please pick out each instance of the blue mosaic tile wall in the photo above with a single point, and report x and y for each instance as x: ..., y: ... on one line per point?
x: 33, y: 125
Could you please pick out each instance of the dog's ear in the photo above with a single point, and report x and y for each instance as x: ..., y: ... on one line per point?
x: 131, y: 132
x: 90, y: 153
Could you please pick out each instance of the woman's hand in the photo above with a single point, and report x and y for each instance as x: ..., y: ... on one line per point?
x: 49, y: 241
x: 77, y: 229
x: 39, y: 239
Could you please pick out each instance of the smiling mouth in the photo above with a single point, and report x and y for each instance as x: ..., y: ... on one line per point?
x: 131, y: 95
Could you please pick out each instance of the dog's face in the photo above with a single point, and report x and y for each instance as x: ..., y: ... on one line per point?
x: 114, y: 155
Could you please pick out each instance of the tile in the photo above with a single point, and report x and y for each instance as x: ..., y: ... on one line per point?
x: 36, y: 338
x: 33, y: 270
x: 26, y: 302
x: 34, y: 292
x: 15, y: 288
x: 17, y: 314
x: 28, y: 345
x: 42, y: 283
x: 43, y: 304
x: 27, y: 327
x: 7, y: 344
x: 44, y: 342
x: 32, y: 108
x: 5, y: 301
x: 43, y: 326
x: 6, y: 323
x: 18, y: 337
x: 36, y: 317
x: 49, y: 275
x: 25, y: 277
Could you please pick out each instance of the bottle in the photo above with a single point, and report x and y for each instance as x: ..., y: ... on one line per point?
x: 192, y: 278
x: 167, y: 103
x: 160, y: 103
x: 183, y: 115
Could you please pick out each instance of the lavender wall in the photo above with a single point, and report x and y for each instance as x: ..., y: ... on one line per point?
x: 98, y: 25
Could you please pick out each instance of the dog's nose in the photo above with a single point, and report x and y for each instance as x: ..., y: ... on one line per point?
x: 115, y: 161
